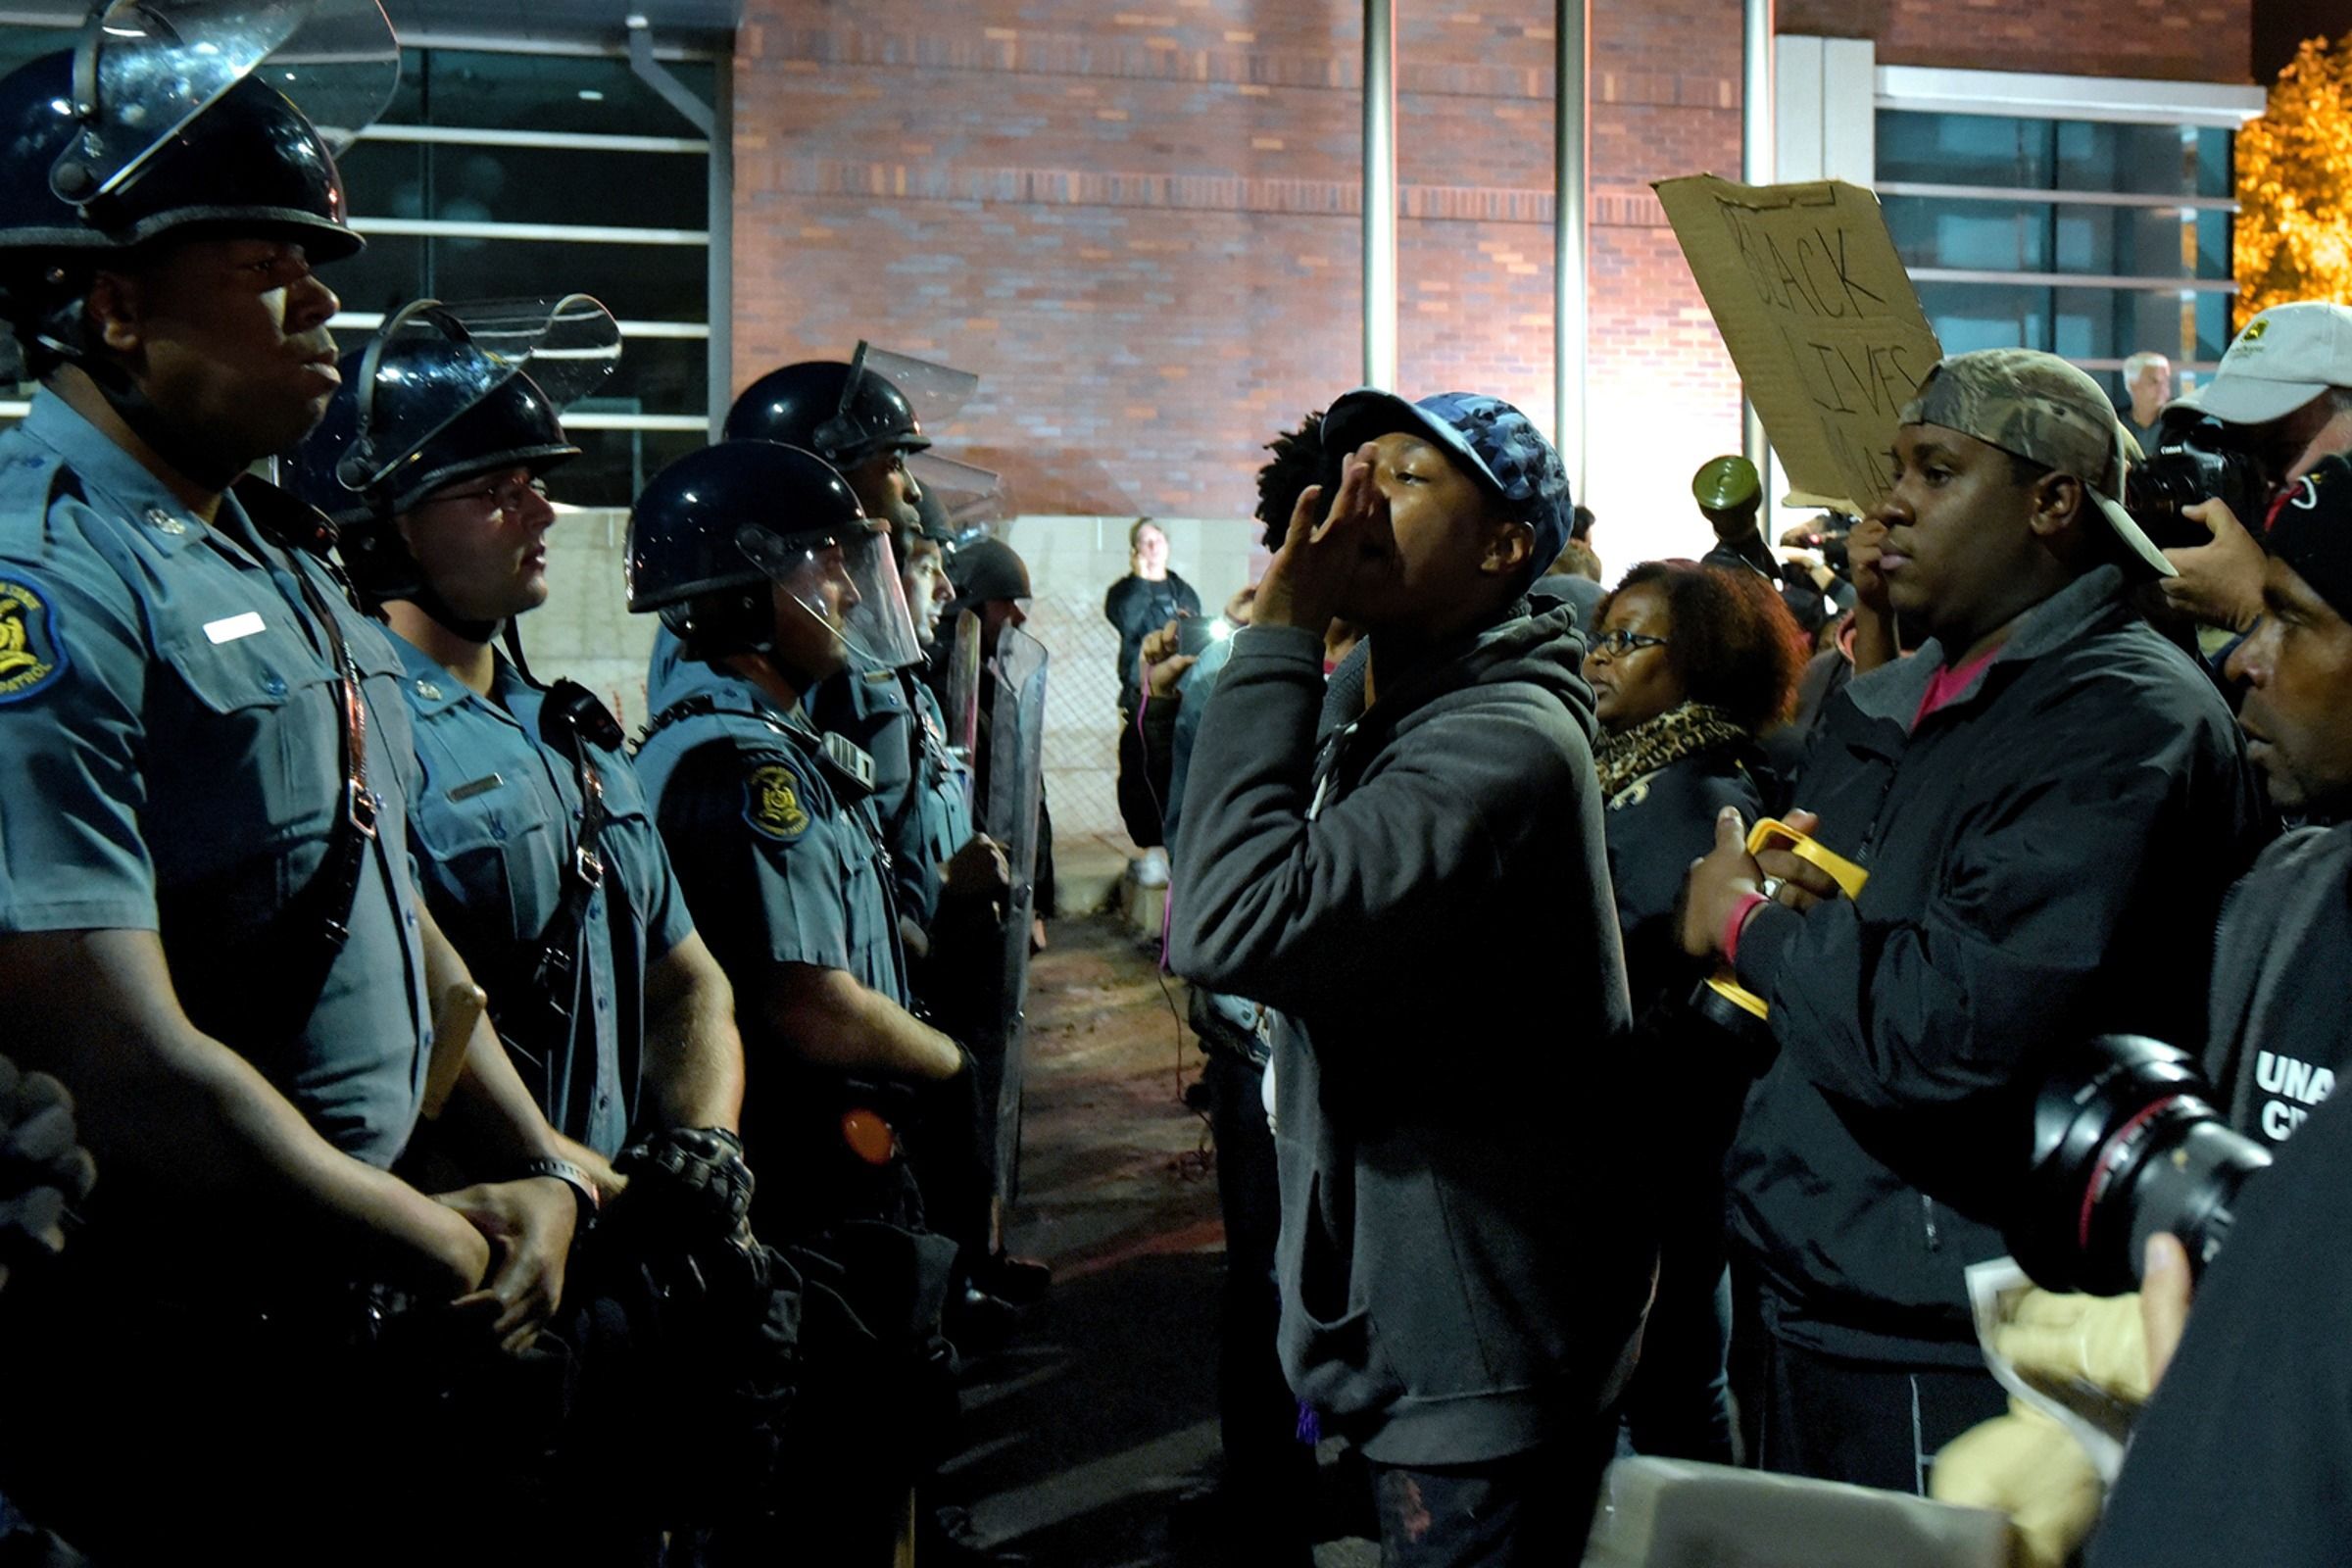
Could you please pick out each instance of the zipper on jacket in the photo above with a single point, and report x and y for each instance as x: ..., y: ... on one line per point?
x: 1926, y: 1215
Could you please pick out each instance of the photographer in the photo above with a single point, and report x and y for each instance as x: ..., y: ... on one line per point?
x: 2049, y: 799
x: 2244, y: 1451
x: 2282, y: 396
x: 1411, y: 869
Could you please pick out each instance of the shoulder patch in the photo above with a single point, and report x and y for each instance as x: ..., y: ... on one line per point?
x: 30, y: 654
x: 772, y: 802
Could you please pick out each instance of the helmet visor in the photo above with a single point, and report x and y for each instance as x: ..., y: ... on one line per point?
x: 431, y: 363
x: 849, y: 582
x: 145, y: 68
x: 968, y: 495
x: 934, y: 391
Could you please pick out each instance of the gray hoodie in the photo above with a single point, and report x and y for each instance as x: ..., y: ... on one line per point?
x: 1422, y: 893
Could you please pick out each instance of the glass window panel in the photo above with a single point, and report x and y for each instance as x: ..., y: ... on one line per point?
x: 1986, y: 315
x: 387, y: 275
x: 613, y: 464
x: 2215, y: 171
x: 21, y: 46
x: 1963, y: 149
x: 527, y: 185
x: 541, y: 92
x: 2214, y: 329
x: 2007, y: 236
x: 636, y: 282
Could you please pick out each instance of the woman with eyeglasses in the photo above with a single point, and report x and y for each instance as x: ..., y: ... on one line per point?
x: 1689, y: 664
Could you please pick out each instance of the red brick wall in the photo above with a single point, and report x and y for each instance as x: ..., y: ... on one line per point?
x: 2170, y: 41
x: 1141, y: 225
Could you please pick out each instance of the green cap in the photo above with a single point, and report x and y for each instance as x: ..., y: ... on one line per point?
x: 1724, y: 484
x: 2037, y: 407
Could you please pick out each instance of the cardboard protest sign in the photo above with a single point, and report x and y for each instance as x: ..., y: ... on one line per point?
x: 1821, y: 319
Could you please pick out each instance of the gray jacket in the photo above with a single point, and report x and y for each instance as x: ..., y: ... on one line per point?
x: 1463, y: 1263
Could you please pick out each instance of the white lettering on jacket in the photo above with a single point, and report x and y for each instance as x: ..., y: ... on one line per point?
x: 2291, y: 1080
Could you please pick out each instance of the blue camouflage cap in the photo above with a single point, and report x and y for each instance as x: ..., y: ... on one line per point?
x: 1488, y: 438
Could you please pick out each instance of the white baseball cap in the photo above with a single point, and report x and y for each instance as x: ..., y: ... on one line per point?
x: 2286, y: 357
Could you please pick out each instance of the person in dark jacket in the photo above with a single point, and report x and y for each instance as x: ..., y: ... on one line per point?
x: 1139, y: 604
x: 1689, y: 666
x: 2244, y: 1451
x: 2275, y: 1051
x: 1405, y: 880
x: 2049, y: 799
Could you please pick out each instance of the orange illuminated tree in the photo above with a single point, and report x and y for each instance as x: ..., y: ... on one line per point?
x: 2294, y: 185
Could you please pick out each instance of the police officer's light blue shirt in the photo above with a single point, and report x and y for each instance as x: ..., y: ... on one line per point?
x: 945, y: 804
x: 777, y: 868
x: 495, y: 828
x: 170, y: 762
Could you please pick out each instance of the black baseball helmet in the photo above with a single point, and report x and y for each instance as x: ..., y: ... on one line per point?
x: 845, y: 414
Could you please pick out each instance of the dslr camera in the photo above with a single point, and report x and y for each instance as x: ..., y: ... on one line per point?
x: 2196, y: 458
x: 2125, y: 1145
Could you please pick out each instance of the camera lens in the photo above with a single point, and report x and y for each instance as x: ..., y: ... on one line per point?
x: 2125, y: 1145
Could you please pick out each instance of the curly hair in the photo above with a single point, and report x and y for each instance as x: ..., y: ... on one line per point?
x: 1296, y: 463
x: 1735, y: 645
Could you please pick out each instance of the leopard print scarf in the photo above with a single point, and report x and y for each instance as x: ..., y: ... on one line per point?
x: 1626, y: 757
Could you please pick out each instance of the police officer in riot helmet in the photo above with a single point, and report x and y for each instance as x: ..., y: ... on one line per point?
x: 540, y: 859
x: 945, y: 875
x: 570, y: 916
x: 209, y: 930
x: 851, y: 417
x: 765, y: 573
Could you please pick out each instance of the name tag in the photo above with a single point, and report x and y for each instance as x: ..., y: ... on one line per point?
x: 233, y: 627
x: 481, y: 786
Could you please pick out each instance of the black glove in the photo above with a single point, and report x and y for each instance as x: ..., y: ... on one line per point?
x: 686, y: 1212
x: 43, y: 1172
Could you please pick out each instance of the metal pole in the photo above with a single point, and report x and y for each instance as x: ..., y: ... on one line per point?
x: 1572, y: 125
x: 1380, y: 194
x: 1755, y: 169
x: 719, y: 359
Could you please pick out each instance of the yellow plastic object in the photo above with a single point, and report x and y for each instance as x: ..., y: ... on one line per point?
x: 1770, y: 833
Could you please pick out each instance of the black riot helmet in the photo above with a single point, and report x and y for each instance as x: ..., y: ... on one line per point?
x: 845, y: 414
x: 715, y: 529
x: 440, y: 394
x: 169, y: 119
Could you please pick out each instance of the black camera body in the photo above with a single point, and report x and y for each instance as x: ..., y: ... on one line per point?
x: 2125, y: 1145
x: 2196, y: 458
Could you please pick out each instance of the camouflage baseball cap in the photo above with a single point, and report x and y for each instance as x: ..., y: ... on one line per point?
x: 1488, y: 438
x: 2037, y: 407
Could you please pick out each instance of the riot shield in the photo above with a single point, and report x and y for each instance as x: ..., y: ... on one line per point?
x: 959, y: 704
x: 1016, y: 736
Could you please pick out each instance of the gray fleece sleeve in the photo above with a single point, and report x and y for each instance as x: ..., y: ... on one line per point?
x: 1305, y: 914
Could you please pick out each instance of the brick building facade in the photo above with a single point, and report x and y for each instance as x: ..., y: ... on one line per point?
x: 1141, y: 225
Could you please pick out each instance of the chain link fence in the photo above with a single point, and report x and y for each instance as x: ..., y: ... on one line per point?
x: 1082, y: 718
